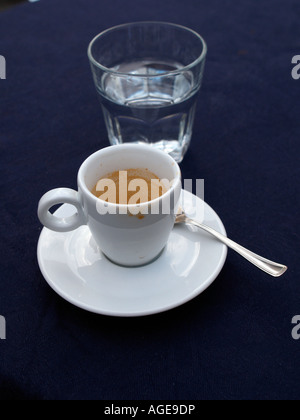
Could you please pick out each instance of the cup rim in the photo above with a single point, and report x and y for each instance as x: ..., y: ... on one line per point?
x: 175, y: 181
x: 147, y: 76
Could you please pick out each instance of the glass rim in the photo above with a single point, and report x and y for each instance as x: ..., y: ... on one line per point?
x: 147, y: 76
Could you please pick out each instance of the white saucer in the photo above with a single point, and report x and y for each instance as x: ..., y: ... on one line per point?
x: 74, y: 267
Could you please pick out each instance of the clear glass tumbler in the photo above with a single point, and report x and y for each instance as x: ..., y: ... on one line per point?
x: 148, y: 76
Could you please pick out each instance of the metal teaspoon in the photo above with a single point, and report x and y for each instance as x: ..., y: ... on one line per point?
x: 269, y: 267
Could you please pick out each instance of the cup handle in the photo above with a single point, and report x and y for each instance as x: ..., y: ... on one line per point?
x: 61, y: 224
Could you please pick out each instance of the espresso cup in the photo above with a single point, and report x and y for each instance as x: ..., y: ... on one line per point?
x: 129, y: 235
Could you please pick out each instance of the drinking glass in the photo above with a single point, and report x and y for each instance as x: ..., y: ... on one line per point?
x: 148, y: 76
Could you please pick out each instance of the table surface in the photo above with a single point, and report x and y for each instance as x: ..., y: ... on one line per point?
x: 232, y: 342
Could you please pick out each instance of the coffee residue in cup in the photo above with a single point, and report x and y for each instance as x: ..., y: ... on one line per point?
x: 129, y: 186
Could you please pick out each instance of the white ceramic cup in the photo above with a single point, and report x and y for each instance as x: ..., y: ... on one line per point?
x: 124, y: 239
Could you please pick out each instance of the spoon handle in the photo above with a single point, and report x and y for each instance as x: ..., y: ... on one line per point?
x: 269, y: 267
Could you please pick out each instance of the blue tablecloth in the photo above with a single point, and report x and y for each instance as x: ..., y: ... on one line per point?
x: 232, y: 342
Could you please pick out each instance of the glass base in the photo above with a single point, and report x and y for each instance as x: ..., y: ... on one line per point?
x: 171, y: 147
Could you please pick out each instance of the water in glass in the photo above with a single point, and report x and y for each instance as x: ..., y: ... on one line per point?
x: 157, y: 108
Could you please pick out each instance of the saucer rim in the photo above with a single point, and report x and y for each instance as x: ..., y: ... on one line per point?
x: 198, y: 291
